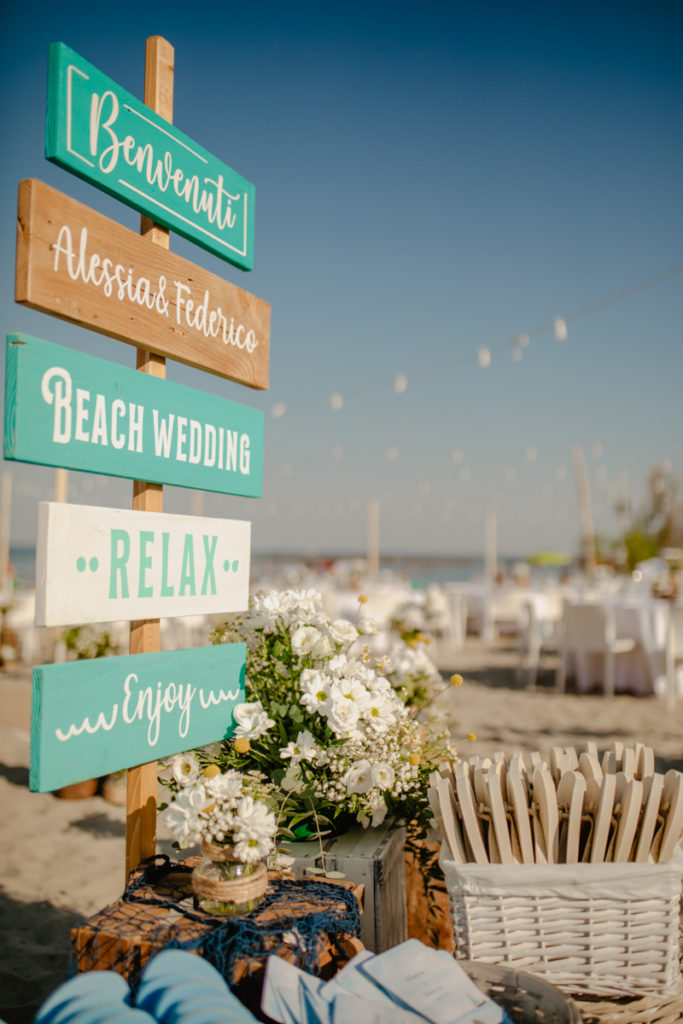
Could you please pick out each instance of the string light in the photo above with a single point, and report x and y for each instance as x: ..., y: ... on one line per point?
x: 337, y: 402
x: 560, y: 328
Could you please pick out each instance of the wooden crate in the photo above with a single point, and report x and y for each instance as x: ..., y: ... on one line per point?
x: 124, y: 935
x: 373, y: 858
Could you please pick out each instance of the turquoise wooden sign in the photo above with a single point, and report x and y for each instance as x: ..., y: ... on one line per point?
x: 67, y: 409
x: 102, y: 133
x: 93, y: 717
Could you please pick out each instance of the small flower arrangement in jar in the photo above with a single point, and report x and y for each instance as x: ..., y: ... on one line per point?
x: 229, y: 813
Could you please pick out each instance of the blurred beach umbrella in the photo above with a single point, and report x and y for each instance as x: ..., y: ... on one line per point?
x: 550, y: 558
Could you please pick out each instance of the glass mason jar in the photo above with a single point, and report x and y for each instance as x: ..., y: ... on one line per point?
x: 224, y: 885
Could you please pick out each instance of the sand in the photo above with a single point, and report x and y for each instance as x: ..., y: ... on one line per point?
x: 61, y: 860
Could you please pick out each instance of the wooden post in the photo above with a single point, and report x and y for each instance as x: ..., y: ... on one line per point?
x: 491, y: 544
x: 585, y: 512
x: 61, y: 485
x: 372, y: 538
x: 141, y: 806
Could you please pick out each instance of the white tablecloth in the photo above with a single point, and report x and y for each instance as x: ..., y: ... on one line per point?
x: 642, y: 669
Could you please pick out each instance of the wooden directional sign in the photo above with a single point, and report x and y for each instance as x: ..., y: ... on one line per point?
x: 67, y: 409
x: 102, y: 133
x: 102, y: 564
x: 83, y: 267
x: 98, y: 716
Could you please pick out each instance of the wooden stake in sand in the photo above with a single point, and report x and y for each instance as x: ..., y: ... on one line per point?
x: 141, y: 808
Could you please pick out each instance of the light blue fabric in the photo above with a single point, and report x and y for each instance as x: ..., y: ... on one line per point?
x: 176, y: 987
x: 96, y: 987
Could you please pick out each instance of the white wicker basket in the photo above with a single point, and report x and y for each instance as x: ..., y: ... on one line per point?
x: 602, y: 929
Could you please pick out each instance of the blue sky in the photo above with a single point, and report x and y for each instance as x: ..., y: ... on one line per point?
x: 431, y: 179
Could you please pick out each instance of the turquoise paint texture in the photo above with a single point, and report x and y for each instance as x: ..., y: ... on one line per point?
x: 93, y: 717
x: 102, y: 133
x: 67, y: 409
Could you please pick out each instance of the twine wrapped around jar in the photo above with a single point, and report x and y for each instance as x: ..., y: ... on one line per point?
x: 238, y: 891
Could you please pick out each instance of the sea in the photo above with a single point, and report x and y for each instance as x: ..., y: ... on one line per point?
x: 419, y: 570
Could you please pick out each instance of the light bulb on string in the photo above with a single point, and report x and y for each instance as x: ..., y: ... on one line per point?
x: 400, y: 383
x: 392, y: 454
x: 337, y: 451
x: 518, y: 345
x: 560, y: 328
x: 337, y: 402
x: 484, y: 357
x: 457, y: 455
x: 531, y: 454
x: 278, y: 410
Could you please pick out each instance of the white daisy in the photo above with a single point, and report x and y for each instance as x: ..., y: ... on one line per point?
x: 252, y: 720
x: 185, y: 769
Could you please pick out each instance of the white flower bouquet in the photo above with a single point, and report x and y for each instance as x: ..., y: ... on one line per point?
x: 322, y: 722
x: 221, y: 808
x: 230, y: 813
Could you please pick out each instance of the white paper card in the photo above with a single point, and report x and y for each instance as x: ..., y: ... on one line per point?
x: 433, y: 985
x: 348, y: 1009
x: 280, y: 998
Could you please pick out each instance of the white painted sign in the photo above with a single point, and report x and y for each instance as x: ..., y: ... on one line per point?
x: 102, y: 564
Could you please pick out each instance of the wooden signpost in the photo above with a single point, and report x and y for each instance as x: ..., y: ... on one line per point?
x: 101, y: 564
x: 74, y: 411
x: 83, y: 267
x: 63, y: 408
x: 141, y: 781
x: 91, y: 718
x: 102, y: 133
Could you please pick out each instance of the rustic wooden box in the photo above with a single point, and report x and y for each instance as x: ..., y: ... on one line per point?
x: 373, y: 858
x: 124, y: 935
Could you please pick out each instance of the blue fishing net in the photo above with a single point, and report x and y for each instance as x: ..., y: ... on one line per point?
x: 295, y: 919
